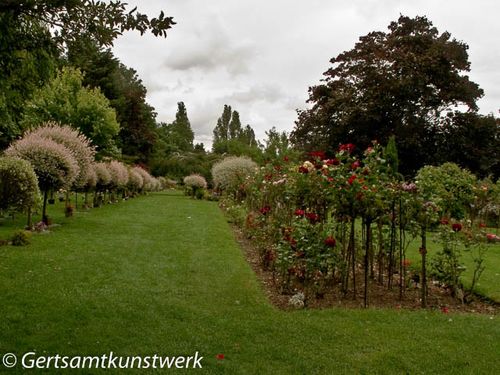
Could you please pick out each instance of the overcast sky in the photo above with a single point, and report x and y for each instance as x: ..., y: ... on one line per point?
x: 261, y: 56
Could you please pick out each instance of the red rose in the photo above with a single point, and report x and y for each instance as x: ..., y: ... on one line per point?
x: 264, y: 210
x: 303, y: 169
x: 313, y: 217
x: 349, y: 147
x: 299, y: 212
x: 355, y: 165
x: 317, y: 155
x: 351, y: 179
x: 332, y: 162
x: 457, y: 227
x: 330, y: 241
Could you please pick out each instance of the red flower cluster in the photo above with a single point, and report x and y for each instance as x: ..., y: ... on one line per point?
x: 332, y: 161
x: 317, y: 155
x: 349, y: 147
x: 313, y: 217
x: 265, y: 210
x: 303, y: 169
x: 299, y: 212
x: 330, y: 241
x: 352, y: 179
x: 355, y: 165
x: 457, y: 227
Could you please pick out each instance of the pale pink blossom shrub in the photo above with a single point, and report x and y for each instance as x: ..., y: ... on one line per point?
x: 119, y: 174
x: 135, y: 180
x: 146, y: 177
x: 18, y: 185
x: 54, y: 165
x: 195, y: 181
x: 74, y: 141
x: 90, y: 178
x: 103, y: 175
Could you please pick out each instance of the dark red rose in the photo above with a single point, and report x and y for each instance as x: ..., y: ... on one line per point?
x: 457, y: 227
x: 315, y: 155
x: 265, y: 210
x: 355, y: 165
x: 349, y: 147
x: 313, y: 217
x: 330, y: 241
x: 303, y: 169
x: 332, y: 162
x: 299, y: 212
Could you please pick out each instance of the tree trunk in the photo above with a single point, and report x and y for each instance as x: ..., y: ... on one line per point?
x: 45, y: 219
x: 423, y: 252
x: 367, y: 259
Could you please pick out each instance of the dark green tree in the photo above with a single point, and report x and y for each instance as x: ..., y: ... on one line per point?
x: 231, y: 138
x: 221, y: 131
x: 34, y: 34
x: 126, y: 93
x: 472, y: 141
x: 101, y: 21
x: 402, y: 82
x: 180, y: 132
x: 28, y: 59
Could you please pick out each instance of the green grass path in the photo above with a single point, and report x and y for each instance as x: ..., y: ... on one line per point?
x: 163, y: 274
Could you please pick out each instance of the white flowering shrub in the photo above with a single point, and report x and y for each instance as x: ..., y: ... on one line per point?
x: 135, y: 180
x: 103, y: 176
x: 18, y: 185
x: 195, y: 181
x: 230, y: 174
x: 297, y: 300
x: 90, y: 178
x: 146, y: 177
x: 54, y: 165
x: 73, y: 140
x: 119, y: 174
x: 195, y: 186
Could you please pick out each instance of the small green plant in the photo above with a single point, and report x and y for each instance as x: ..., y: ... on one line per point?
x: 21, y: 238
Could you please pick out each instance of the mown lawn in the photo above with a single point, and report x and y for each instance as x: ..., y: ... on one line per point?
x: 163, y: 274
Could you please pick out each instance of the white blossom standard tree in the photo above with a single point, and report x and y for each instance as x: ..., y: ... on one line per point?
x: 77, y: 143
x: 53, y: 163
x: 18, y: 186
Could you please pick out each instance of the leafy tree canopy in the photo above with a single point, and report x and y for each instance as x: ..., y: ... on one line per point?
x: 66, y: 101
x: 402, y: 82
x: 230, y: 137
x: 70, y: 20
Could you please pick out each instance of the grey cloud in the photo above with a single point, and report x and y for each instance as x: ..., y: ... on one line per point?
x: 264, y: 92
x: 212, y: 49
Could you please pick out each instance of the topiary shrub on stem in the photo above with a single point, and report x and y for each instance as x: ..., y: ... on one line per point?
x: 230, y: 174
x: 102, y: 183
x: 18, y: 186
x: 119, y: 175
x: 195, y: 185
x: 54, y: 165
